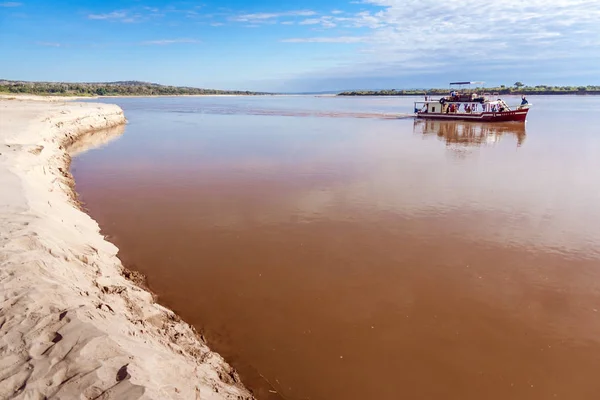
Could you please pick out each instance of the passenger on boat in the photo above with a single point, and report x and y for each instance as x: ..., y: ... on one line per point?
x: 523, y: 100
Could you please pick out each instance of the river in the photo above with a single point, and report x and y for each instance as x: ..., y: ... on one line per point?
x: 330, y: 251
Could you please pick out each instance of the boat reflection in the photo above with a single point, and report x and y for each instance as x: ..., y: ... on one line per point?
x: 466, y: 133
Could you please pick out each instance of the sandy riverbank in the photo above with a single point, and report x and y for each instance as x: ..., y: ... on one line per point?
x: 71, y: 324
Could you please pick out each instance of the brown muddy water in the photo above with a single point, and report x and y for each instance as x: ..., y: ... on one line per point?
x: 366, y: 258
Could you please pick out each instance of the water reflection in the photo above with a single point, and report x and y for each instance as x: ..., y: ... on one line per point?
x: 95, y: 139
x: 466, y: 133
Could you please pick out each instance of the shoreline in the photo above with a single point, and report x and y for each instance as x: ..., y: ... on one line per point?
x: 71, y: 323
x: 445, y: 94
x: 51, y: 97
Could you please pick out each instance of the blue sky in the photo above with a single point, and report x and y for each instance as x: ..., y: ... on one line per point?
x: 302, y: 46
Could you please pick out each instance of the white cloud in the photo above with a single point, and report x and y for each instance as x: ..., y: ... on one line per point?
x: 139, y: 14
x: 325, y: 22
x: 109, y: 16
x: 162, y: 42
x: 338, y: 39
x: 473, y: 25
x: 48, y: 44
x: 269, y: 17
x: 256, y: 16
x: 301, y: 13
x: 310, y: 21
x: 10, y: 4
x: 404, y: 31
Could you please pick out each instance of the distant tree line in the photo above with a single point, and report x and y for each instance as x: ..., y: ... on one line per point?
x: 123, y: 88
x: 518, y: 88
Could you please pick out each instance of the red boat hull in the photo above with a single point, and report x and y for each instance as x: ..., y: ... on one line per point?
x: 505, y: 116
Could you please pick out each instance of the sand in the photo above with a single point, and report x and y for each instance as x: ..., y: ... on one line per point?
x: 71, y: 324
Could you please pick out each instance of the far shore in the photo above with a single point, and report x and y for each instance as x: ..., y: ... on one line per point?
x: 148, y: 89
x: 54, y: 97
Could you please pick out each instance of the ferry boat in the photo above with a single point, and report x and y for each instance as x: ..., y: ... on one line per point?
x: 464, y: 103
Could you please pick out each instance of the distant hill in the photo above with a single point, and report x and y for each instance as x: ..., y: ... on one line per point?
x: 119, y: 88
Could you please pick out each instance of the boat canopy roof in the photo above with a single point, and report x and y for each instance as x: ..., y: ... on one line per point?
x: 467, y: 83
x: 487, y: 101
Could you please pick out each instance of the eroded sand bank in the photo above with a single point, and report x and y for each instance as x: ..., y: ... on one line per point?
x: 71, y: 325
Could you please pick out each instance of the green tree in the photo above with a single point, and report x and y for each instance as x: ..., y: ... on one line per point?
x: 519, y: 84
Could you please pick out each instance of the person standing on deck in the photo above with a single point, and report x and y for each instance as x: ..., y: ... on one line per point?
x: 524, y: 100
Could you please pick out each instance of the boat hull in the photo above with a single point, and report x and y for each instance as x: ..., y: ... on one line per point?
x: 505, y: 116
